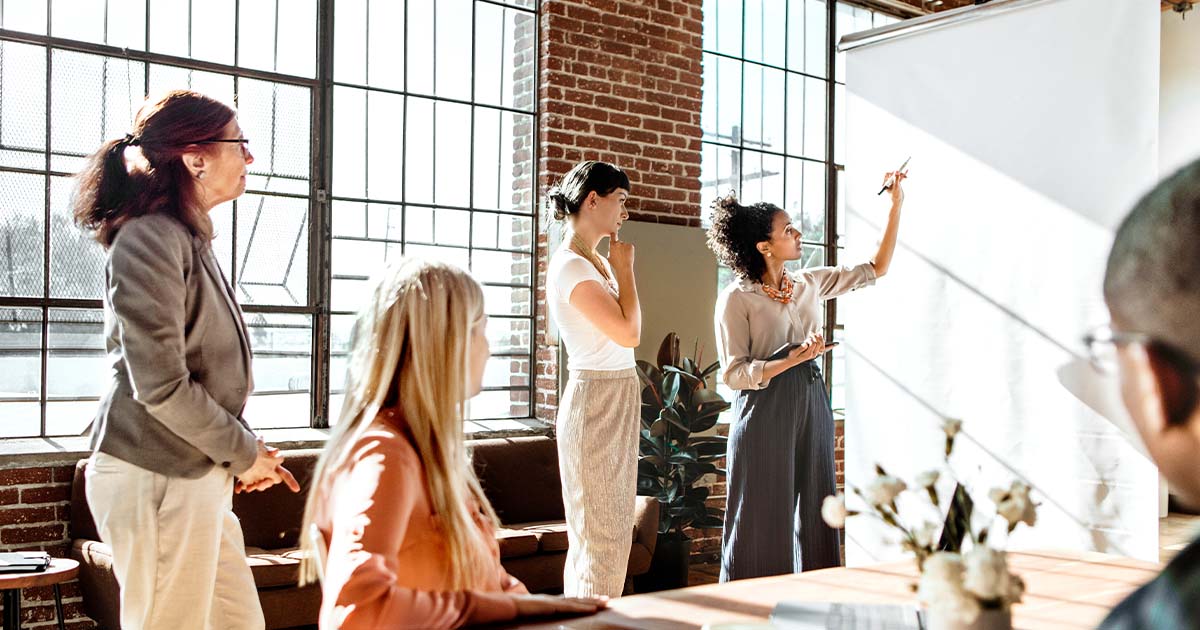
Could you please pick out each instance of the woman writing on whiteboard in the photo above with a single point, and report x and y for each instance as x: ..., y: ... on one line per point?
x: 768, y: 328
x: 594, y: 301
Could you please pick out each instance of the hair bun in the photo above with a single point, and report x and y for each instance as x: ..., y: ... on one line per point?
x: 558, y: 203
x: 727, y: 202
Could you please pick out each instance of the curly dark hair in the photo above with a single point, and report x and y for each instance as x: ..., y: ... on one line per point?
x: 735, y: 232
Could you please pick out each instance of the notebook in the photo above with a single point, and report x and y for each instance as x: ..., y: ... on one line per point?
x: 802, y: 615
x: 24, y: 561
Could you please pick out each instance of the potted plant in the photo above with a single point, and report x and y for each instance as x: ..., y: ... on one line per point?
x: 677, y: 404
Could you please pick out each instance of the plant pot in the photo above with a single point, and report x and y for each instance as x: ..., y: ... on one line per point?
x: 990, y: 619
x: 669, y: 567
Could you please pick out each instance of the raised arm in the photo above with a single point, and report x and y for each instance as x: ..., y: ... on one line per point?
x: 887, y: 245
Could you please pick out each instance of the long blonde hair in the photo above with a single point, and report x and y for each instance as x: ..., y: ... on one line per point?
x: 410, y: 351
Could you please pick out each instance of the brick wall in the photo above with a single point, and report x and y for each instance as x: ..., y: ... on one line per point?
x: 621, y: 83
x: 34, y: 504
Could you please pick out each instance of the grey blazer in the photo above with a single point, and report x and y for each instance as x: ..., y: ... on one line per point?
x: 179, y: 352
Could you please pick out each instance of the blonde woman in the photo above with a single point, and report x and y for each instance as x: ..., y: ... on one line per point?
x: 410, y: 535
x: 594, y: 302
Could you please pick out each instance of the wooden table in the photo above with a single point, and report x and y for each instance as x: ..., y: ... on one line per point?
x: 60, y: 570
x: 1064, y: 590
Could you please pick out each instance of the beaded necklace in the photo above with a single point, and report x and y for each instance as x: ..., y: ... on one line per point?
x: 783, y: 294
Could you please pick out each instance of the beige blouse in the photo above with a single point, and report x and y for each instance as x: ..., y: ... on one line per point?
x: 751, y: 326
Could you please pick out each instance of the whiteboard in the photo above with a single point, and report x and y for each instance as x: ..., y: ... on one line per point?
x: 1033, y: 127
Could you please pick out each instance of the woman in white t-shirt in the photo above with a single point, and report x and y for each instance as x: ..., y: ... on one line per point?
x: 594, y: 302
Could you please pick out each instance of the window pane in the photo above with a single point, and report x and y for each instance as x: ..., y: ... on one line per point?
x: 222, y: 219
x: 282, y: 345
x: 496, y: 53
x: 503, y: 161
x: 77, y: 374
x: 211, y: 84
x: 28, y: 16
x: 350, y: 142
x: 76, y: 260
x: 766, y: 21
x: 763, y: 118
x: 762, y: 178
x: 93, y: 100
x: 20, y: 372
x: 806, y: 36
x: 419, y: 150
x: 501, y: 300
x: 272, y: 250
x: 278, y: 35
x: 276, y: 120
x: 119, y: 23
x: 22, y: 234
x: 723, y: 26
x: 438, y: 61
x: 384, y: 143
x: 23, y: 99
x: 501, y: 404
x: 502, y: 267
x: 806, y: 117
x: 205, y: 32
x: 341, y: 333
x: 839, y: 124
x: 717, y: 176
x: 721, y: 111
x: 452, y: 150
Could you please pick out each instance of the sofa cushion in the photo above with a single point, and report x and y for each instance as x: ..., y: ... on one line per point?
x: 515, y: 543
x: 273, y: 567
x: 551, y: 535
x: 520, y: 477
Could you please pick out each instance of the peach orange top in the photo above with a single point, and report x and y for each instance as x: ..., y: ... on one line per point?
x: 387, y: 564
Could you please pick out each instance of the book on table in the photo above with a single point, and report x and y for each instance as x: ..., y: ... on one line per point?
x: 24, y: 561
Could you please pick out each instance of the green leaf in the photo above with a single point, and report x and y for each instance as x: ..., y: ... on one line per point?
x: 671, y: 388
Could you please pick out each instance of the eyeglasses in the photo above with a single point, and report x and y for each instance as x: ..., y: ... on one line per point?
x: 1102, y: 342
x: 244, y: 142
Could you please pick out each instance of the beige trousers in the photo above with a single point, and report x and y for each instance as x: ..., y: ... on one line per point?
x: 177, y: 548
x: 597, y: 428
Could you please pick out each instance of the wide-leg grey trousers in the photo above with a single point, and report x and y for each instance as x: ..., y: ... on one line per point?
x: 781, y: 468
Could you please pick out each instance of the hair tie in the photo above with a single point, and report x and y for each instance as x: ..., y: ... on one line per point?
x: 130, y: 141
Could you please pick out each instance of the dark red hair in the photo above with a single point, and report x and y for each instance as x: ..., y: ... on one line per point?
x: 110, y: 192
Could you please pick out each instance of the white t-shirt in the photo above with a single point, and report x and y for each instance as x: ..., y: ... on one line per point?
x: 587, y: 347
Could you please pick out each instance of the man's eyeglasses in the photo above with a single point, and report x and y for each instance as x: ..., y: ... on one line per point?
x: 1102, y: 342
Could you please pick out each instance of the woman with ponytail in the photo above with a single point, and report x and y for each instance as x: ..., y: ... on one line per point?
x: 769, y: 326
x: 594, y: 302
x: 410, y: 535
x: 169, y: 439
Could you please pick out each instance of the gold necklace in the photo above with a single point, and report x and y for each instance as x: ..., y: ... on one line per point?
x: 783, y: 294
x: 581, y: 248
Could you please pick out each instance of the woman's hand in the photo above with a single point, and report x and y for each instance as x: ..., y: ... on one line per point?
x: 896, y: 190
x: 266, y: 471
x: 541, y: 605
x: 620, y: 254
x: 811, y: 348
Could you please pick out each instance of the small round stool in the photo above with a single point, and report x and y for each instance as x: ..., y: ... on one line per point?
x: 60, y: 570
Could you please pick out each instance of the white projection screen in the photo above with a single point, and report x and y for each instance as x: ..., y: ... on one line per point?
x: 1033, y: 127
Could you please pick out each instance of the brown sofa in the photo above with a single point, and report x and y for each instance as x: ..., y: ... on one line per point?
x: 519, y: 475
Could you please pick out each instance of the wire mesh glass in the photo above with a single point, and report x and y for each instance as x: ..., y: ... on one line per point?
x: 76, y: 260
x: 77, y: 369
x: 272, y: 250
x: 22, y: 234
x: 20, y: 372
x: 22, y: 105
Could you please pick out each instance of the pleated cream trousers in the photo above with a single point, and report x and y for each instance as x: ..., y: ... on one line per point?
x: 597, y: 430
x: 177, y: 546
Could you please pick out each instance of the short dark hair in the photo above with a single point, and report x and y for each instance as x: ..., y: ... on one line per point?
x: 1152, y: 283
x: 737, y: 230
x: 567, y: 196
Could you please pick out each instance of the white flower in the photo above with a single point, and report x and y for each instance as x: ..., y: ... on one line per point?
x: 833, y: 510
x: 1014, y: 504
x: 928, y: 478
x: 943, y: 566
x: 986, y: 573
x: 951, y: 427
x: 883, y: 490
x: 924, y: 534
x: 941, y: 589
